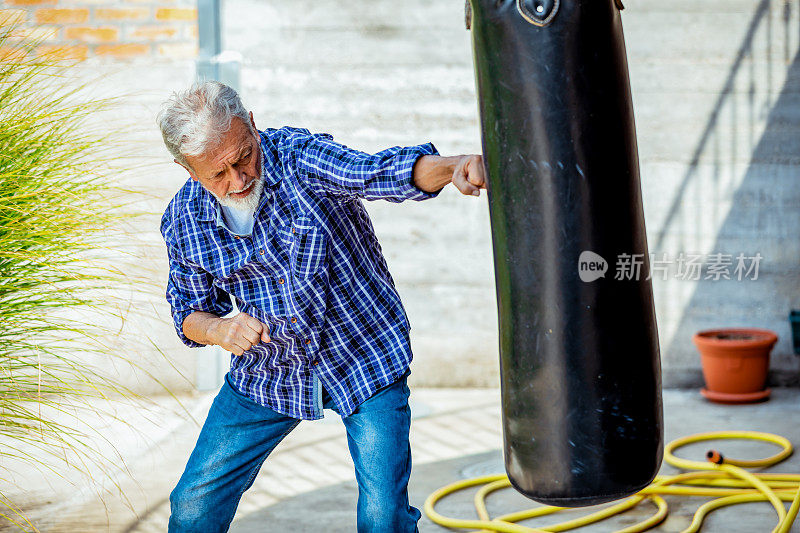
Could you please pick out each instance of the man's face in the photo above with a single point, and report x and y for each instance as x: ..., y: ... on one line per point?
x: 233, y: 170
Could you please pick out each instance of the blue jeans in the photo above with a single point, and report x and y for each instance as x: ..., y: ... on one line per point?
x: 239, y: 434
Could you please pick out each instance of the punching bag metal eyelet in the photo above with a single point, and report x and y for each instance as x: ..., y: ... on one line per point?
x: 538, y: 12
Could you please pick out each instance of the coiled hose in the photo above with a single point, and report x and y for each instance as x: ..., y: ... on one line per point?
x: 722, y: 478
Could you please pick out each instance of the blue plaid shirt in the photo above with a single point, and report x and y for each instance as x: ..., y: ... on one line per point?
x: 312, y: 270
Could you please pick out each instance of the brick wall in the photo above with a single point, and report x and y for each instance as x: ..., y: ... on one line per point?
x: 115, y: 29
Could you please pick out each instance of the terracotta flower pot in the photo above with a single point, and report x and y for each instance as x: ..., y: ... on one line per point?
x: 735, y: 363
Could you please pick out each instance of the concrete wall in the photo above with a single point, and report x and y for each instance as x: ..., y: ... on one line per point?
x: 715, y: 87
x: 716, y: 91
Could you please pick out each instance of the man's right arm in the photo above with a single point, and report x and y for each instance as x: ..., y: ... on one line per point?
x: 198, y: 304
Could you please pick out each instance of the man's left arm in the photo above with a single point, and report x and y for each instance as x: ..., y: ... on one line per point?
x: 394, y: 174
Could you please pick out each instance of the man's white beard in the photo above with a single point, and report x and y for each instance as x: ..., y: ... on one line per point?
x: 249, y: 202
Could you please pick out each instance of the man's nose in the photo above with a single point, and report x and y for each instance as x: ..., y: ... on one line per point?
x: 238, y: 179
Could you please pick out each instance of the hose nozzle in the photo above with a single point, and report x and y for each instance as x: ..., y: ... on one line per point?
x: 715, y: 457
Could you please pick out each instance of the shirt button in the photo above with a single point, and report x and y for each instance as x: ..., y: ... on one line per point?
x: 280, y: 281
x: 260, y: 251
x: 237, y: 237
x: 308, y: 341
x: 293, y: 230
x: 315, y: 363
x: 294, y: 319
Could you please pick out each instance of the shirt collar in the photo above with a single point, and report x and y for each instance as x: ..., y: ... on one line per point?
x: 220, y: 220
x: 208, y: 208
x: 269, y: 152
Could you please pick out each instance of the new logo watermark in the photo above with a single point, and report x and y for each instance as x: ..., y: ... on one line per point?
x: 684, y: 266
x: 591, y: 266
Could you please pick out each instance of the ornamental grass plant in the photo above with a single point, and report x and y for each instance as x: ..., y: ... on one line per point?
x: 62, y: 287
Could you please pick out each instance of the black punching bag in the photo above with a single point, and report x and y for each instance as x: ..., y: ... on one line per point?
x: 579, y: 356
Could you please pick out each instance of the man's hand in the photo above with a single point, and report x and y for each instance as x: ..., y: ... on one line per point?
x: 236, y: 334
x: 239, y: 333
x: 468, y: 176
x: 432, y: 172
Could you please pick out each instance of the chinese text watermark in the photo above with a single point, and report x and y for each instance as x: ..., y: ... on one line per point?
x: 683, y: 266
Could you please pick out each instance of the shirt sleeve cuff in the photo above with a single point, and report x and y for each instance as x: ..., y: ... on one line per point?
x: 404, y: 167
x: 178, y: 317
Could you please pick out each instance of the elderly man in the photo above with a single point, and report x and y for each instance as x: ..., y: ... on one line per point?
x: 274, y: 219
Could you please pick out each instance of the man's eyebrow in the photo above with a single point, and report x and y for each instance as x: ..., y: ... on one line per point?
x: 238, y: 157
x: 244, y: 149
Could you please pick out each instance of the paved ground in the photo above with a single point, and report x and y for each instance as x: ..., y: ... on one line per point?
x: 308, y: 485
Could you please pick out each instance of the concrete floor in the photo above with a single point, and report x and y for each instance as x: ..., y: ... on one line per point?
x: 685, y: 413
x: 307, y: 483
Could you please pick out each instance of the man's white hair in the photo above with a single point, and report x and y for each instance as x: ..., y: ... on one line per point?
x: 194, y: 121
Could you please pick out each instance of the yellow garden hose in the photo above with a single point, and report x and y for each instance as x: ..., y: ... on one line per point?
x: 719, y: 477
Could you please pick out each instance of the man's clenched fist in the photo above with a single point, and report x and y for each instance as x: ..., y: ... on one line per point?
x: 239, y: 333
x: 469, y: 176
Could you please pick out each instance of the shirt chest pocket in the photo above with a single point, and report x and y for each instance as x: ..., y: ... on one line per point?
x: 307, y: 247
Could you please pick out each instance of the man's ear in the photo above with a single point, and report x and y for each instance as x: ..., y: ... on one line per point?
x: 189, y: 170
x: 253, y: 122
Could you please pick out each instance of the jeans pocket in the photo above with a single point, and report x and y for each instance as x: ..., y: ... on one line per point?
x: 391, y: 397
